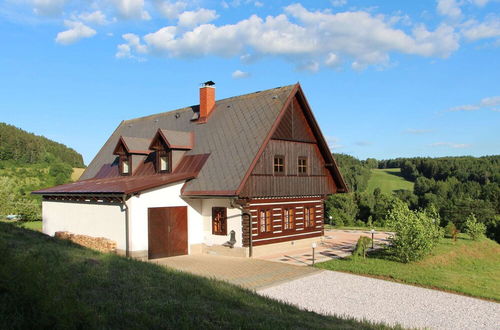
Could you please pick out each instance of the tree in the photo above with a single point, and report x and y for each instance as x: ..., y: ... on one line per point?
x: 473, y: 228
x: 417, y: 232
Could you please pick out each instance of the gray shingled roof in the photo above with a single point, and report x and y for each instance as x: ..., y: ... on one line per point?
x: 137, y: 144
x: 235, y: 130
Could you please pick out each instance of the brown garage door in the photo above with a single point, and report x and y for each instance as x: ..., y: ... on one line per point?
x: 167, y: 231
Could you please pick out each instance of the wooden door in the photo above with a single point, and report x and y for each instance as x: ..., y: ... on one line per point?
x: 167, y: 232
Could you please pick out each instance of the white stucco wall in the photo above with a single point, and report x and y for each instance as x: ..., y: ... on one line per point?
x: 166, y: 196
x: 91, y: 219
x: 233, y: 222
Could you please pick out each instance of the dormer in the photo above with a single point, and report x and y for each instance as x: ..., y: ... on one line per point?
x: 131, y: 152
x: 169, y: 147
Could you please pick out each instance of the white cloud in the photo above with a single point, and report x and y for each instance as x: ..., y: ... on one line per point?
x: 479, y: 3
x: 48, y: 7
x: 133, y: 44
x: 258, y: 4
x: 451, y: 145
x: 311, y: 38
x: 338, y: 3
x: 96, y: 17
x: 332, y: 60
x: 417, y: 131
x: 238, y: 74
x: 311, y: 66
x: 131, y: 9
x: 490, y: 101
x: 333, y: 142
x: 466, y: 107
x: 488, y: 29
x: 76, y: 31
x: 486, y: 102
x: 198, y: 17
x: 449, y: 8
x: 171, y: 10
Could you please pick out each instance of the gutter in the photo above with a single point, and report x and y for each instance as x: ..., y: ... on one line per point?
x: 127, y: 226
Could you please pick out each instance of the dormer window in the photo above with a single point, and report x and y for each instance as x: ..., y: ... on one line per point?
x: 125, y: 165
x: 163, y: 161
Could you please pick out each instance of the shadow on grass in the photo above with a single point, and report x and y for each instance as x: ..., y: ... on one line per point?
x: 50, y: 283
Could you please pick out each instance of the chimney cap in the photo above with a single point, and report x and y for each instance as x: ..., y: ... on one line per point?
x: 208, y: 83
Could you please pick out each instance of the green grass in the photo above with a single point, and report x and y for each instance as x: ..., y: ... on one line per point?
x: 32, y: 225
x: 328, y: 227
x: 467, y: 267
x: 50, y: 283
x: 388, y: 180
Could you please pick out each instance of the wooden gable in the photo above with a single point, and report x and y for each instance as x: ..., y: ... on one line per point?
x: 295, y: 135
x: 294, y: 126
x: 121, y: 148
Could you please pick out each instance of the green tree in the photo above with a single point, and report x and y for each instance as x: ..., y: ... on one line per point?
x: 417, y: 232
x: 473, y: 228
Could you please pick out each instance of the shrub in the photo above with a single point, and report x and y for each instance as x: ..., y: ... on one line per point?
x: 417, y: 232
x: 449, y: 229
x: 362, y: 246
x: 474, y: 229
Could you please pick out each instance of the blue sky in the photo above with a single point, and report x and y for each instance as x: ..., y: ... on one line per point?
x: 385, y: 79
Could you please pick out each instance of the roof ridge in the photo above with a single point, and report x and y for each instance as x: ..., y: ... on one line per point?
x: 196, y: 105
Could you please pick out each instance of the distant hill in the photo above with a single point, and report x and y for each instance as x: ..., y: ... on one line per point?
x: 21, y: 147
x: 29, y: 162
x: 388, y: 180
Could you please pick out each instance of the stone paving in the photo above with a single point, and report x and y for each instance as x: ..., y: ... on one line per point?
x: 335, y: 244
x: 249, y: 273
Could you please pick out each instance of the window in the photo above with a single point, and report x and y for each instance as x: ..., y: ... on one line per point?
x: 219, y: 221
x: 125, y: 165
x: 302, y: 165
x: 309, y: 216
x: 265, y: 221
x: 288, y: 218
x: 279, y: 164
x: 163, y: 161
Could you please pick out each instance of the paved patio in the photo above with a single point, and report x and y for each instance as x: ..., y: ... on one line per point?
x: 249, y: 273
x: 335, y: 244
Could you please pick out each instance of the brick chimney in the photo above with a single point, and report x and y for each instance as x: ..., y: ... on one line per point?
x: 207, y: 99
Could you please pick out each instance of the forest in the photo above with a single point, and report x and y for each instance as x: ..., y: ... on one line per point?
x: 455, y: 186
x: 29, y: 162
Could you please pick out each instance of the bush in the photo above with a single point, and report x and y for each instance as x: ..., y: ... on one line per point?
x: 417, y: 232
x: 361, y: 247
x: 474, y: 229
x: 449, y: 229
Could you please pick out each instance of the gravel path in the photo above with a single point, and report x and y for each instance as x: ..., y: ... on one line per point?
x: 361, y: 297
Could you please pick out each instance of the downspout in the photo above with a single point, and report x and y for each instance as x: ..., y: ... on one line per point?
x: 243, y: 213
x: 127, y: 225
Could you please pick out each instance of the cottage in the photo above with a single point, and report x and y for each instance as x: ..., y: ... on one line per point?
x: 242, y: 176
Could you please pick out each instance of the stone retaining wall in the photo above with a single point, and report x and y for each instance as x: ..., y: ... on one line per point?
x: 100, y: 244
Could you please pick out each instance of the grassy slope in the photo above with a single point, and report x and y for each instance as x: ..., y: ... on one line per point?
x: 466, y: 266
x: 388, y: 180
x: 48, y: 283
x: 77, y: 173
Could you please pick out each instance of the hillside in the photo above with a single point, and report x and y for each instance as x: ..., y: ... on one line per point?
x: 388, y: 180
x: 50, y: 283
x: 29, y: 162
x: 21, y: 147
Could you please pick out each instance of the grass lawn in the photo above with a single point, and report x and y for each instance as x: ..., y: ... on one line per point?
x: 33, y: 225
x: 468, y: 267
x: 50, y: 283
x: 388, y: 180
x: 77, y: 173
x: 329, y: 227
